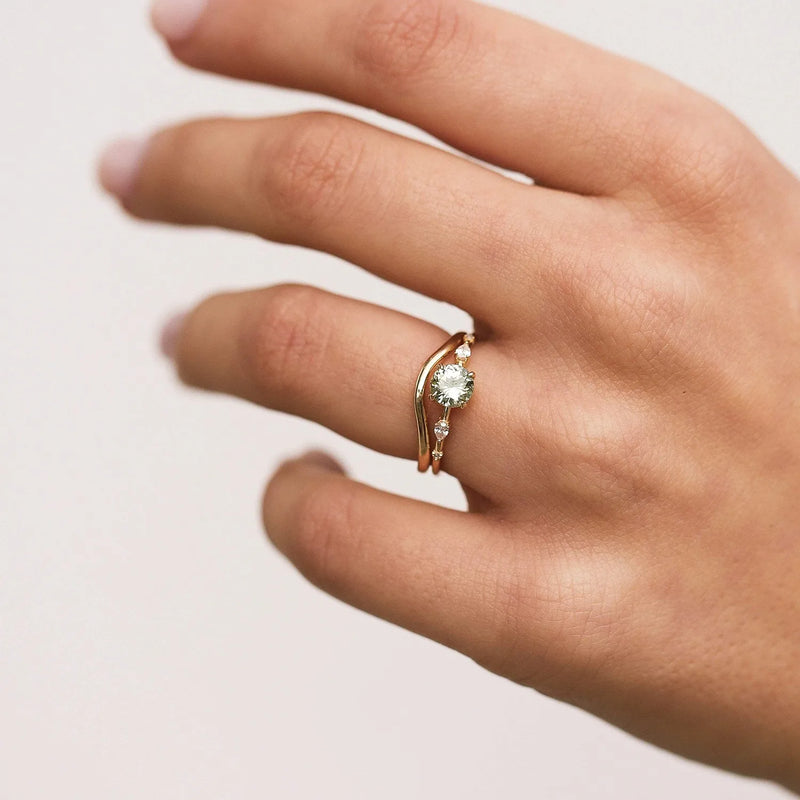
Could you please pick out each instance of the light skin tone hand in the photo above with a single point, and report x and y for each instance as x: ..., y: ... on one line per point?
x: 631, y: 457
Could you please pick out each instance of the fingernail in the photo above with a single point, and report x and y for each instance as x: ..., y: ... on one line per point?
x: 176, y: 19
x: 119, y: 165
x: 320, y: 459
x: 170, y: 334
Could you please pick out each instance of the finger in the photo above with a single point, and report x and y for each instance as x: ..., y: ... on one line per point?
x: 440, y: 573
x: 348, y: 365
x: 410, y: 213
x: 490, y: 83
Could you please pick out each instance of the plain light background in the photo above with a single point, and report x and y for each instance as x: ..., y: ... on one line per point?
x: 152, y: 644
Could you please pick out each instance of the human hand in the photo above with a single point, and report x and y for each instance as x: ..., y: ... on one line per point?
x: 632, y: 454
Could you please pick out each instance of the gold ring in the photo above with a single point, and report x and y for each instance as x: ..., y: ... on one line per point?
x: 452, y: 386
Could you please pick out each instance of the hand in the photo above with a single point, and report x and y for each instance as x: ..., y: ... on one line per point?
x: 632, y: 455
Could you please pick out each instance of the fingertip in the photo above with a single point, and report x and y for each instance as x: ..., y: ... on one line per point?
x: 119, y: 164
x: 170, y: 334
x: 176, y: 19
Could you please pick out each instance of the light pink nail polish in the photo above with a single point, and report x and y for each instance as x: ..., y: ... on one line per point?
x: 176, y: 19
x: 170, y: 334
x: 119, y: 166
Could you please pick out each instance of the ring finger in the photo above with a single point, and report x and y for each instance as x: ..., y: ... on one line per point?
x: 348, y: 365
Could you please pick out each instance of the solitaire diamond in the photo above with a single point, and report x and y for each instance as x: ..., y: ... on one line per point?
x: 452, y: 386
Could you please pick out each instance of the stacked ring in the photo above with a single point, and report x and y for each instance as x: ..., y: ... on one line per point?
x: 451, y: 386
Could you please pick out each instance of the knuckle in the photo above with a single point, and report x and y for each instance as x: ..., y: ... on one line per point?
x: 306, y: 175
x: 590, y: 625
x: 697, y: 157
x: 282, y: 337
x: 626, y: 314
x: 603, y: 460
x: 554, y: 620
x: 645, y: 318
x: 402, y: 39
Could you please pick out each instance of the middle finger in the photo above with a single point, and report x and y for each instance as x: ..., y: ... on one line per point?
x: 413, y: 214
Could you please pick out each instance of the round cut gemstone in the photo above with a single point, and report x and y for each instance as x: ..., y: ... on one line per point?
x: 452, y: 385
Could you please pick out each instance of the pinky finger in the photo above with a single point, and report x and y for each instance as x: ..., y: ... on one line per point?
x: 428, y: 569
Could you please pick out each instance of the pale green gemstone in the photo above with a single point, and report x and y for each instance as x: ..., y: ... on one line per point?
x: 452, y: 386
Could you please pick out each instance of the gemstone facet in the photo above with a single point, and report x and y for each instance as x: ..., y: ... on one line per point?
x: 441, y: 430
x: 452, y: 386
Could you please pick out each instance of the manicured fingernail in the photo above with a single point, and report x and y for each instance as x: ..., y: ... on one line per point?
x: 176, y: 19
x: 119, y: 166
x: 170, y: 334
x: 319, y: 459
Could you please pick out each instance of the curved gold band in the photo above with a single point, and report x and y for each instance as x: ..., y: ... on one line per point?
x: 424, y: 454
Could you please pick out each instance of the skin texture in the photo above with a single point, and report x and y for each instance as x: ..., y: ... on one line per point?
x: 632, y: 542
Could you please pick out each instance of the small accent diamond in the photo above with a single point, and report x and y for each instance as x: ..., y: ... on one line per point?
x: 463, y: 352
x: 441, y: 429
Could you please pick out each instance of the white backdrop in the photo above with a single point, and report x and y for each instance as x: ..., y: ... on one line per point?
x: 152, y: 644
